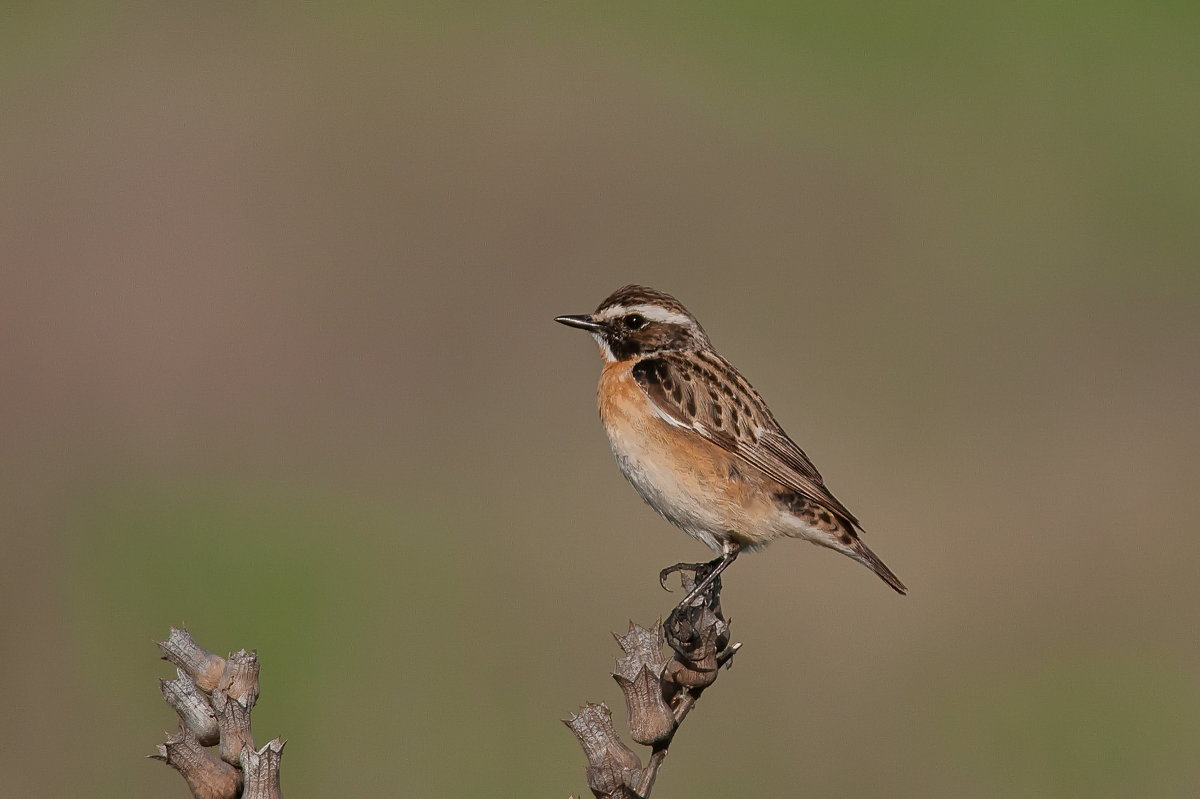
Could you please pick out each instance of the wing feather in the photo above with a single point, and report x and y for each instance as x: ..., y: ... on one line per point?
x: 709, y: 397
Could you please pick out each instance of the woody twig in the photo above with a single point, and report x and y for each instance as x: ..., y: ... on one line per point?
x: 213, y: 697
x: 660, y: 690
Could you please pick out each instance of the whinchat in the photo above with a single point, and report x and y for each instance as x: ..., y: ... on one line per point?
x: 698, y: 442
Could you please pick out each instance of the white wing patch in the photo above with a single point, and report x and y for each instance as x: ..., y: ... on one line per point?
x: 669, y: 418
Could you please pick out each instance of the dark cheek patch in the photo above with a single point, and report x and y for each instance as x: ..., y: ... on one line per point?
x: 653, y: 337
x: 623, y: 348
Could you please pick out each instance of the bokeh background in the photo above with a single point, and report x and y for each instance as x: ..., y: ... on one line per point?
x: 276, y: 283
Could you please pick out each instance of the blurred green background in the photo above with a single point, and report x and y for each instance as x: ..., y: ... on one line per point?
x: 276, y: 283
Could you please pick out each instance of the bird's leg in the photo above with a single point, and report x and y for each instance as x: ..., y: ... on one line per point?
x: 706, y: 573
x: 695, y: 568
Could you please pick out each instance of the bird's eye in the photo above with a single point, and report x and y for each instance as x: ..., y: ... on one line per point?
x: 634, y: 321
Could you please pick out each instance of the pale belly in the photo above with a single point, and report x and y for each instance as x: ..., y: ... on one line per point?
x: 678, y: 496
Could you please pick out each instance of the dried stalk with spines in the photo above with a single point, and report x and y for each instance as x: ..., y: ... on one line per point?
x: 659, y: 692
x: 213, y: 697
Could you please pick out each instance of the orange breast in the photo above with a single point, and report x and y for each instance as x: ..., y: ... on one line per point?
x: 692, y: 482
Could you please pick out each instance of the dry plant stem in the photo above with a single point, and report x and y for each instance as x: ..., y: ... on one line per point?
x: 193, y: 708
x: 206, y: 776
x: 651, y: 773
x: 213, y: 697
x: 261, y: 769
x: 201, y: 665
x: 660, y: 752
x: 660, y: 691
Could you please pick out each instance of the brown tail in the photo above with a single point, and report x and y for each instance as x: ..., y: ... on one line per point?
x: 866, y: 557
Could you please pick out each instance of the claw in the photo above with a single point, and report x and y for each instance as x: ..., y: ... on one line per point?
x: 678, y: 567
x: 706, y: 575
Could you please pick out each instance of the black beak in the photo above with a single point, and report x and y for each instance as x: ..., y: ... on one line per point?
x: 583, y: 322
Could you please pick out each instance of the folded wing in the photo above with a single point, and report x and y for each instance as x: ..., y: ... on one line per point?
x: 709, y: 397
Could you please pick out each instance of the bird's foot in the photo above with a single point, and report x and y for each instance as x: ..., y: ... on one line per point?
x: 698, y: 570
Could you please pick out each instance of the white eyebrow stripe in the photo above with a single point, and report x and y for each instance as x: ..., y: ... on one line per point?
x: 653, y: 313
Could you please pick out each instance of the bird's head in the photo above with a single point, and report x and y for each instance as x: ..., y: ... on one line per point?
x: 635, y: 321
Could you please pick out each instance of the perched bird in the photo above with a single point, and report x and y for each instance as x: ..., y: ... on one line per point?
x: 700, y: 445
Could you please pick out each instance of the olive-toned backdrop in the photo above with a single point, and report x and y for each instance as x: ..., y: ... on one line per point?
x: 277, y: 361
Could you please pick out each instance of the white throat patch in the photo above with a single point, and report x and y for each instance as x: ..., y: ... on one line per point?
x: 605, y: 351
